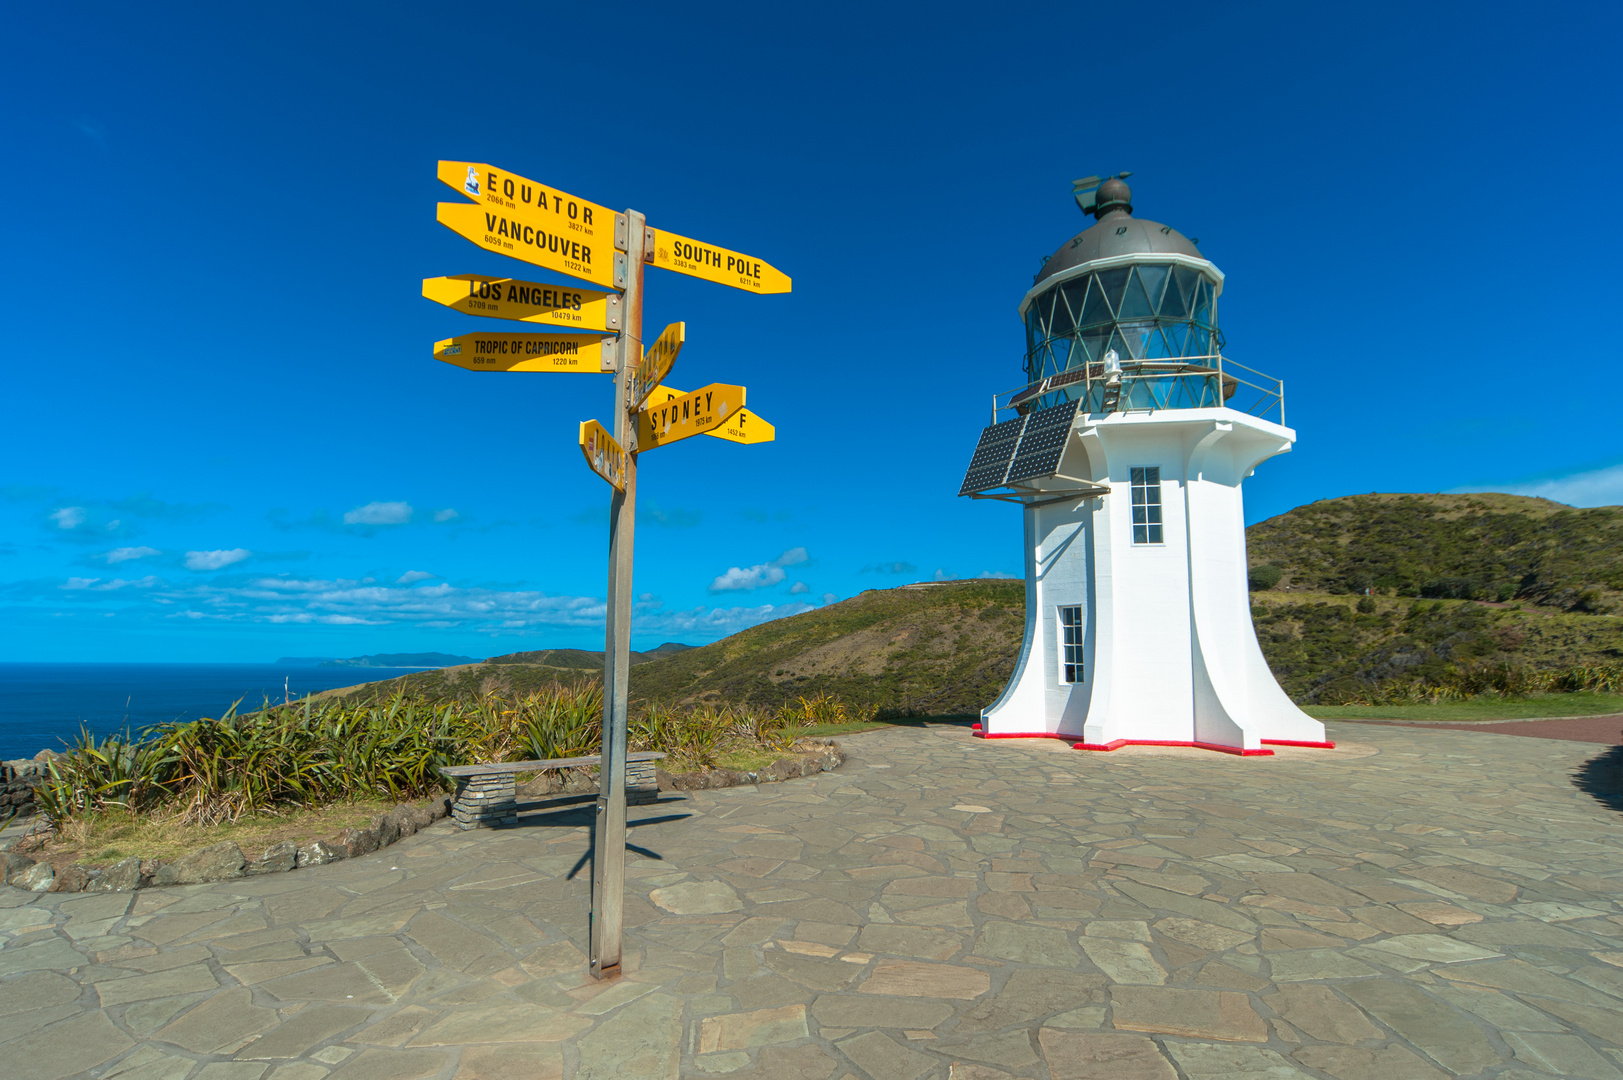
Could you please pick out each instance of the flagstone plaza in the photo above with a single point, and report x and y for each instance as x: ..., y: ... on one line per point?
x: 1413, y: 904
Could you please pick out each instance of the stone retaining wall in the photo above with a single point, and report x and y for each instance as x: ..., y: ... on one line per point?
x: 18, y: 779
x: 221, y: 862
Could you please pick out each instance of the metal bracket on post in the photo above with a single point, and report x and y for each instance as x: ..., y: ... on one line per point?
x: 612, y: 318
x: 622, y: 232
x: 609, y: 827
x: 648, y: 245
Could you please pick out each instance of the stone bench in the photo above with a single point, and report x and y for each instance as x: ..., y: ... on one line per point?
x: 487, y: 795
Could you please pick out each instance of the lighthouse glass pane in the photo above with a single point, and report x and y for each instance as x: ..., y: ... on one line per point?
x: 1070, y: 644
x: 1114, y: 281
x: 1135, y: 304
x: 1095, y: 312
x: 1146, y: 485
x: 1154, y: 279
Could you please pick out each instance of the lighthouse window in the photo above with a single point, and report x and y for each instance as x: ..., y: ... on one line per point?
x: 1070, y: 644
x: 1147, y: 505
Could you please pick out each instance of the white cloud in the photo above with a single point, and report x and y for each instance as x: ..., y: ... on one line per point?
x: 758, y: 576
x: 69, y: 517
x: 125, y: 554
x: 1596, y: 487
x: 379, y: 513
x: 214, y: 560
x: 748, y: 577
x: 829, y: 598
x: 444, y: 515
x: 942, y: 575
x: 91, y: 583
x: 799, y: 587
x: 995, y: 575
x: 411, y: 577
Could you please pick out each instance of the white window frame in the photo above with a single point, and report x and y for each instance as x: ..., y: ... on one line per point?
x: 1070, y: 639
x: 1147, y: 479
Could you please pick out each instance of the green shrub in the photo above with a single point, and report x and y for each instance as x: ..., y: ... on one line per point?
x: 1265, y: 577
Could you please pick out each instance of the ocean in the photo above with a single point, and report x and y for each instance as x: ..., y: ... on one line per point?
x: 44, y: 705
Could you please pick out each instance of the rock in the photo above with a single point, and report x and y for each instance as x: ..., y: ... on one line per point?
x: 422, y: 817
x: 149, y: 870
x: 217, y: 862
x: 120, y: 877
x: 74, y: 878
x: 439, y: 808
x: 277, y: 858
x: 666, y: 781
x: 404, y: 820
x: 356, y: 842
x: 13, y: 866
x: 782, y: 769
x: 36, y: 878
x: 317, y: 853
x: 387, y: 828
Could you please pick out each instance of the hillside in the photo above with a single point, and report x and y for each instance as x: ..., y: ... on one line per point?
x: 942, y: 649
x: 950, y: 648
x: 1464, y: 547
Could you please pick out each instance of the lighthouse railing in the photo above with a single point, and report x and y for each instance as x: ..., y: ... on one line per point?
x: 1154, y: 384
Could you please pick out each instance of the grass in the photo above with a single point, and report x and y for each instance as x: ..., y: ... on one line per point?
x: 1480, y: 709
x: 105, y: 838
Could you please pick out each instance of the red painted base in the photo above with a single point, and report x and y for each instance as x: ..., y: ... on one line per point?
x: 979, y: 733
x: 1167, y: 742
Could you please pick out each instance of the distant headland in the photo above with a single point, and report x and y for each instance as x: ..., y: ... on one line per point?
x: 390, y: 660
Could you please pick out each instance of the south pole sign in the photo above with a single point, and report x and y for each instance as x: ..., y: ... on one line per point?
x: 512, y: 215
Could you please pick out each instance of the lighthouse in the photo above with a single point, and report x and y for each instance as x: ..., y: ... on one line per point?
x: 1126, y: 447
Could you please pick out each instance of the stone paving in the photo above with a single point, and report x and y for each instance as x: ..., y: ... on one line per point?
x: 1415, y: 904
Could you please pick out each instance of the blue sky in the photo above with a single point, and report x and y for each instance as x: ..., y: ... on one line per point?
x: 225, y: 438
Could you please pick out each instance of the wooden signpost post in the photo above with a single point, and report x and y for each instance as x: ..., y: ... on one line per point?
x: 517, y: 217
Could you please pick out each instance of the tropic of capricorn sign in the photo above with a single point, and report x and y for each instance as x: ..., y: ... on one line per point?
x: 517, y: 217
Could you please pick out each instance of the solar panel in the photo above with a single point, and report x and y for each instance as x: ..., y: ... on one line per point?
x: 1042, y: 443
x: 998, y: 444
x: 1024, y: 448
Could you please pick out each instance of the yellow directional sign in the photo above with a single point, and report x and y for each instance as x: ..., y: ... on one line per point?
x: 508, y: 233
x: 603, y: 454
x: 585, y: 353
x: 716, y: 264
x: 656, y: 364
x: 744, y: 427
x: 741, y: 427
x: 525, y: 301
x: 691, y: 414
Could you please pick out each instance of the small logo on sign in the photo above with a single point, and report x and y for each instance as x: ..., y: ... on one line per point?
x: 471, y: 184
x: 453, y: 350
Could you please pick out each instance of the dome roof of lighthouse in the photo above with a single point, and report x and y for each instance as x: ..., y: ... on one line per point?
x: 1117, y: 232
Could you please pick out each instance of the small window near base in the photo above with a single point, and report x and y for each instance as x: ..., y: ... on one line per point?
x: 1147, y: 505
x: 1070, y: 644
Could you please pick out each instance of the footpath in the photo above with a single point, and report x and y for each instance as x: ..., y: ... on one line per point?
x: 1415, y: 904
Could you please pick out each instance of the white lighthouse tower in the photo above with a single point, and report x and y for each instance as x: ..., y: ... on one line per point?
x: 1127, y: 447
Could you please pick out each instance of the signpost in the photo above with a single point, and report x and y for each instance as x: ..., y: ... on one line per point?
x: 603, y: 454
x: 742, y: 426
x: 686, y: 416
x: 583, y: 353
x: 517, y: 217
x: 656, y: 363
x: 526, y: 301
x: 717, y: 264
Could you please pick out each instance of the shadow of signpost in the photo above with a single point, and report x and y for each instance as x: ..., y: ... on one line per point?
x: 1601, y: 777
